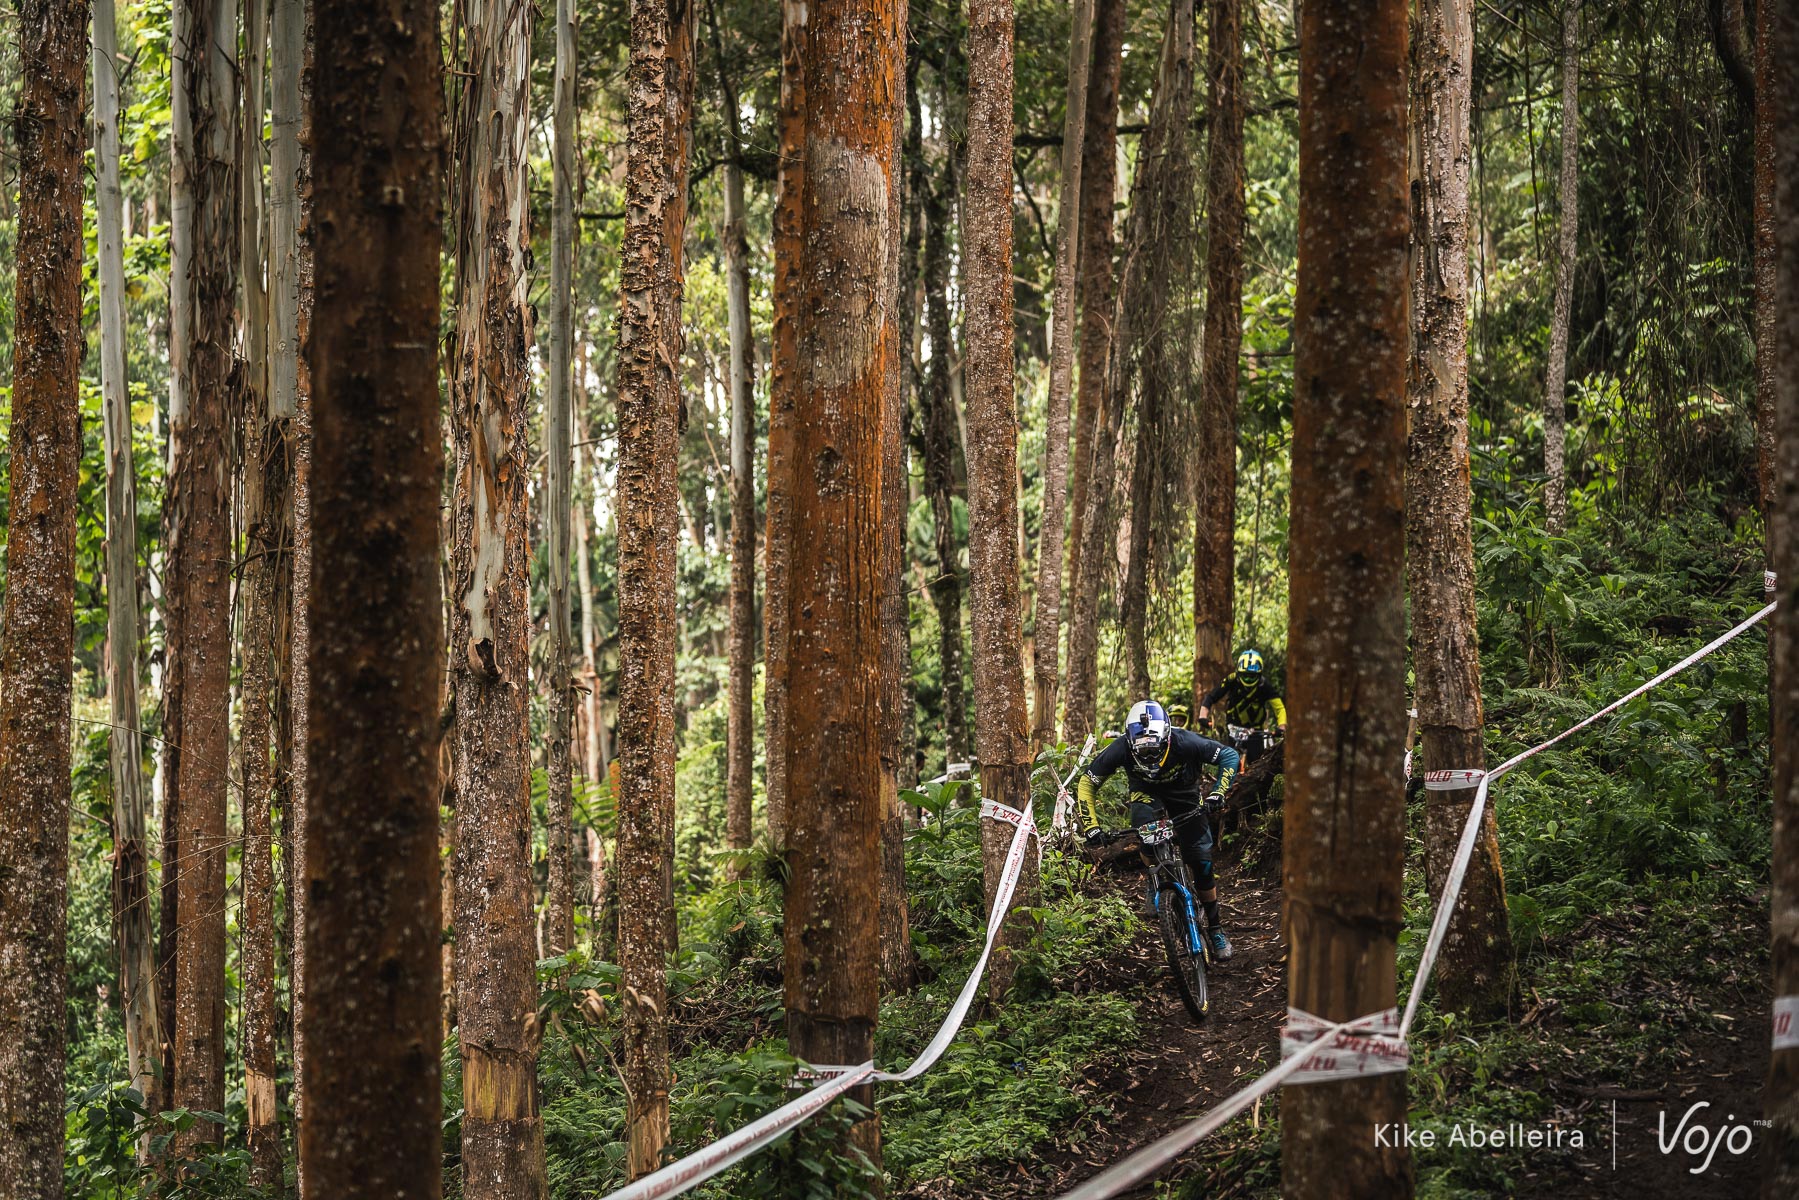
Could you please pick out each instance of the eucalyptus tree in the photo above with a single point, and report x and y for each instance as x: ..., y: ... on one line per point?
x: 1779, y: 94
x: 490, y: 614
x: 1344, y: 845
x: 133, y: 928
x: 1001, y: 731
x: 1475, y: 971
x: 559, y: 502
x: 1099, y: 182
x: 37, y: 648
x: 1215, y: 504
x: 372, y: 1122
x: 199, y: 500
x: 1555, y: 378
x: 1047, y: 636
x: 659, y: 119
x: 843, y: 65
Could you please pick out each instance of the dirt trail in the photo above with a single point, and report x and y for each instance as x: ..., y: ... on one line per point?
x: 1178, y: 1069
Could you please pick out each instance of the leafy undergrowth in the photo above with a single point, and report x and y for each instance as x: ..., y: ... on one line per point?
x: 1003, y: 1087
x: 1636, y: 858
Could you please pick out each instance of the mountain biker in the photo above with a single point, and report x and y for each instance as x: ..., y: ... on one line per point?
x: 1251, y: 700
x: 1167, y: 766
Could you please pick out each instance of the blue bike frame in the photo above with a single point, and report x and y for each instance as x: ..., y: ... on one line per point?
x: 1194, y: 946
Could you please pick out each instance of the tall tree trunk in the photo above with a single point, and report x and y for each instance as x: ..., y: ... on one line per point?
x: 898, y: 964
x: 846, y: 62
x: 740, y: 734
x: 290, y: 276
x: 559, y: 895
x: 784, y: 388
x: 660, y: 86
x: 595, y: 759
x: 1779, y: 98
x: 132, y: 928
x: 1047, y: 632
x: 940, y: 438
x: 1474, y: 973
x: 265, y: 504
x: 1215, y: 505
x: 371, y: 1125
x: 496, y: 977
x: 37, y: 645
x: 1765, y: 249
x: 1099, y: 182
x: 200, y: 493
x: 1001, y: 731
x: 1145, y: 288
x: 1555, y: 375
x: 1345, y: 838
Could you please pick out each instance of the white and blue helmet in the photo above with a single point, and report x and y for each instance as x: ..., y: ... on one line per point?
x: 1147, y: 733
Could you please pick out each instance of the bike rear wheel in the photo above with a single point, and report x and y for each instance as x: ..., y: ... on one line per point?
x: 1189, y: 968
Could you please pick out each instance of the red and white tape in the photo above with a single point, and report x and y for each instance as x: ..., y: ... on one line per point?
x: 1373, y: 1049
x: 708, y: 1161
x: 1153, y: 1158
x: 704, y: 1163
x: 1786, y: 1023
x: 1451, y: 781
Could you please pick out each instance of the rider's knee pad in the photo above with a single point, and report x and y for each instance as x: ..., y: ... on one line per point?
x: 1201, y: 865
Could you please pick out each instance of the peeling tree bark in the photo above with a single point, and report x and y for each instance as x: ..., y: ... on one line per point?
x: 200, y: 493
x: 1099, y: 182
x: 1474, y: 974
x: 372, y: 985
x: 37, y: 645
x: 496, y: 978
x: 660, y: 86
x: 1780, y: 97
x: 1001, y: 733
x: 132, y: 927
x: 1215, y: 504
x: 1345, y: 836
x: 845, y: 63
x: 1047, y: 630
x: 1555, y: 375
x: 559, y: 894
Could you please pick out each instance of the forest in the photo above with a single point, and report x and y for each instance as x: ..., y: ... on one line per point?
x: 954, y: 599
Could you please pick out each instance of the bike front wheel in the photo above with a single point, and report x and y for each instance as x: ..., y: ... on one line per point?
x: 1188, y: 965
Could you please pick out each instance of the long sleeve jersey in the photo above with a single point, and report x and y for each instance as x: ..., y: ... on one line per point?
x: 1179, y: 778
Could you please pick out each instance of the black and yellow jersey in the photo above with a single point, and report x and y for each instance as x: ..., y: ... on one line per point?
x: 1253, y: 703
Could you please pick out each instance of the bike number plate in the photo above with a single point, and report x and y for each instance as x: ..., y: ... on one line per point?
x: 1156, y: 832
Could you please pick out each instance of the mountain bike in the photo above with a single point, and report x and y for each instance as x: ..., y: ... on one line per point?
x: 1177, y: 909
x: 1176, y: 904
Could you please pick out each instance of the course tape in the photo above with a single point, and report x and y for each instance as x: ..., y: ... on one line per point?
x: 1451, y: 781
x: 708, y: 1161
x: 1349, y: 1054
x: 704, y: 1163
x: 1153, y: 1158
x: 1786, y: 1023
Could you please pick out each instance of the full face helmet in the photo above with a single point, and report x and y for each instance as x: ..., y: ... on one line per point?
x: 1147, y: 733
x: 1249, y: 664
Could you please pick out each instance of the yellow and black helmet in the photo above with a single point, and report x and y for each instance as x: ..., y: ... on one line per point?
x: 1249, y: 664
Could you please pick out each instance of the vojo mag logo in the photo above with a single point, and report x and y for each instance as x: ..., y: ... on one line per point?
x: 1694, y: 1136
